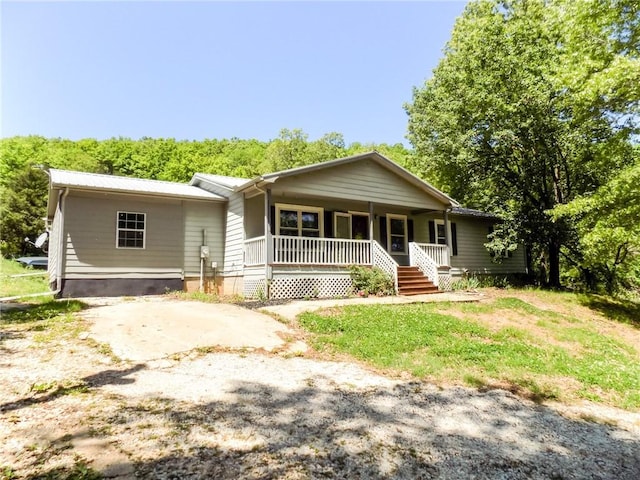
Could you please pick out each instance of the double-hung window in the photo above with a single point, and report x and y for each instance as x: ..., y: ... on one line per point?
x: 441, y: 236
x: 130, y: 230
x: 299, y: 221
x: 397, y: 234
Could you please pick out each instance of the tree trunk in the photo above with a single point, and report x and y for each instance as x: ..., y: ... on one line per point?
x: 554, y: 263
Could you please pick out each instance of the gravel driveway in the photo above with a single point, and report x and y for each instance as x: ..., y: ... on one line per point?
x: 267, y: 415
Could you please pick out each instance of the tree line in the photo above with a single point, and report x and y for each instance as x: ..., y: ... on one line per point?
x: 24, y: 161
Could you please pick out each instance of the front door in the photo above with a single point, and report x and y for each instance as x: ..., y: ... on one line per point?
x: 351, y: 225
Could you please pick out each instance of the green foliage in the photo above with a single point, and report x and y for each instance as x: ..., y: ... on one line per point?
x: 23, y: 206
x: 11, y: 286
x: 467, y: 283
x: 608, y: 226
x: 23, y: 187
x: 44, y: 312
x: 370, y: 281
x: 445, y: 341
x: 534, y: 104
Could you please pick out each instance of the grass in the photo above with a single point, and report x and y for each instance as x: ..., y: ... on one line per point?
x: 553, y: 352
x: 11, y: 286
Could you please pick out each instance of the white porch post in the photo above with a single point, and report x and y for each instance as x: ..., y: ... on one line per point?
x: 371, y: 228
x: 267, y: 239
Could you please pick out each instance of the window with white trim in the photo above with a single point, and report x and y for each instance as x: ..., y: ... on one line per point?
x: 130, y: 230
x: 441, y: 237
x: 299, y: 221
x: 397, y: 234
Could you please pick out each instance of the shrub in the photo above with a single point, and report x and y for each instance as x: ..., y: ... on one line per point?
x: 371, y: 281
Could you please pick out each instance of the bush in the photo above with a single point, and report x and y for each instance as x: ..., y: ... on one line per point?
x: 371, y: 281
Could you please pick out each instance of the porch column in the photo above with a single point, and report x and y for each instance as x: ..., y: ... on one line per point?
x: 371, y: 240
x: 447, y: 239
x: 268, y: 241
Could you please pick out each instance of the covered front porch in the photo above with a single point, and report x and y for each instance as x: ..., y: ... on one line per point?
x: 281, y: 266
x: 304, y: 227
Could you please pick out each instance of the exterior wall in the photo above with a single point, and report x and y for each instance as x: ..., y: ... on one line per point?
x: 471, y: 235
x: 199, y: 216
x: 254, y: 216
x: 112, y: 287
x: 55, y: 256
x: 232, y: 285
x: 362, y: 180
x: 212, y: 284
x: 234, y: 237
x: 90, y: 238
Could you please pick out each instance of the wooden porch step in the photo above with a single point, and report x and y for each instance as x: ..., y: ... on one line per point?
x: 411, y: 281
x: 407, y: 292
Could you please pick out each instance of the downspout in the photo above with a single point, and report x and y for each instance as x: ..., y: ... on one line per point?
x: 202, y: 259
x: 61, y: 256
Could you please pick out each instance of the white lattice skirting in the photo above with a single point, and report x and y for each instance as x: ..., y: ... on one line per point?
x: 308, y: 287
x: 255, y: 288
x: 444, y: 282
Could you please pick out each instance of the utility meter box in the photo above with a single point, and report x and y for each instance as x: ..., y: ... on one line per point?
x: 204, y: 251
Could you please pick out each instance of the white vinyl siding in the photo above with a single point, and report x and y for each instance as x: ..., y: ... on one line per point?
x: 363, y: 180
x: 199, y: 216
x: 54, y: 246
x: 472, y: 255
x: 234, y: 236
x: 89, y: 237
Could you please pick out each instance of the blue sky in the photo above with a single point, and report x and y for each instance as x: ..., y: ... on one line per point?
x: 195, y: 70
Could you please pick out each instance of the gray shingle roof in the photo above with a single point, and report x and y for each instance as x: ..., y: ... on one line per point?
x: 470, y: 212
x: 95, y: 181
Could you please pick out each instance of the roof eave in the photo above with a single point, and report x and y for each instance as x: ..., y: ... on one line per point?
x: 60, y: 186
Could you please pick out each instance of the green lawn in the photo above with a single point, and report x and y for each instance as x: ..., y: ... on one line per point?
x: 542, y: 345
x: 10, y: 286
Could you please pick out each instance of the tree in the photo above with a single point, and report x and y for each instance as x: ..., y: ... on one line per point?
x: 608, y: 225
x: 23, y: 210
x: 534, y: 103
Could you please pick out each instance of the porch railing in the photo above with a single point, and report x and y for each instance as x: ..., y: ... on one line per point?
x: 424, y: 262
x: 255, y: 251
x: 320, y: 251
x: 385, y: 262
x: 438, y: 253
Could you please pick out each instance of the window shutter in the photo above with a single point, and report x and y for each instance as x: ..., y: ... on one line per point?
x: 410, y: 229
x: 273, y: 220
x: 383, y: 232
x: 454, y: 239
x: 328, y: 224
x: 432, y: 231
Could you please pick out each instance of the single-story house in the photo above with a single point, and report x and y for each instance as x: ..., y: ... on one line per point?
x: 288, y: 234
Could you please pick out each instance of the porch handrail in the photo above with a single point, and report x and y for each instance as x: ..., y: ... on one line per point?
x: 320, y: 251
x: 255, y: 251
x: 438, y: 253
x: 385, y: 262
x: 424, y: 262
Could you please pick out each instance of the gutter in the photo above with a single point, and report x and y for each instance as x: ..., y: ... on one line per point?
x: 61, y: 257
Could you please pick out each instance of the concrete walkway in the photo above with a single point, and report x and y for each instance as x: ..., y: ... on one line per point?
x: 291, y: 310
x: 153, y: 328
